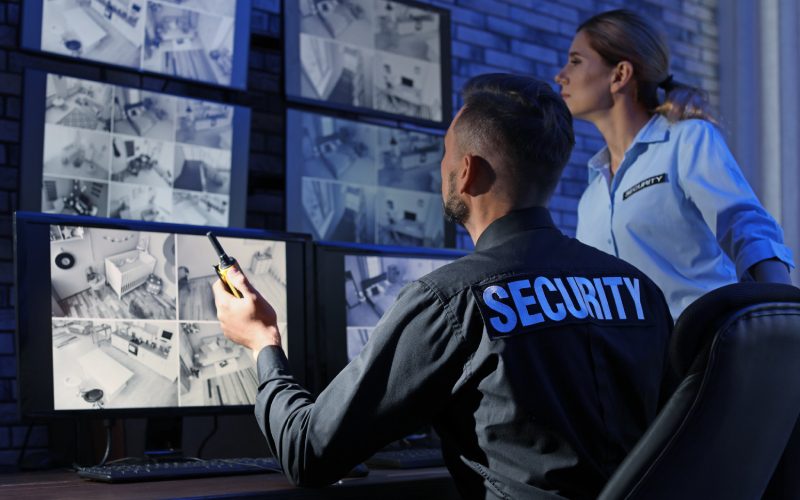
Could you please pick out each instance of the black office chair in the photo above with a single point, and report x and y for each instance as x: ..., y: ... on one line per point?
x: 724, y: 431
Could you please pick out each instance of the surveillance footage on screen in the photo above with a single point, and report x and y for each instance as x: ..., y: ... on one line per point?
x: 121, y: 152
x: 372, y: 284
x: 364, y: 183
x: 382, y: 55
x: 191, y: 39
x: 134, y: 321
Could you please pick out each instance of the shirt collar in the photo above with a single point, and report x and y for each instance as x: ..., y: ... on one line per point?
x: 655, y: 130
x: 512, y: 223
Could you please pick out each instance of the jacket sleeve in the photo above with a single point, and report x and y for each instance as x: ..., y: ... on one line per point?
x: 400, y: 380
x: 712, y: 180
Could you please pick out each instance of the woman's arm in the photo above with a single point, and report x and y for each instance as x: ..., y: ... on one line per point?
x: 770, y: 271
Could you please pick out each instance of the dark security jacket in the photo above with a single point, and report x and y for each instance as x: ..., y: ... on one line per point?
x: 538, y: 360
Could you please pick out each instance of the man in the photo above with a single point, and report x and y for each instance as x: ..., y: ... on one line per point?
x: 538, y: 359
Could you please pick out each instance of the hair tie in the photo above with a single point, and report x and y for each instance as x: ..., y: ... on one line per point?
x: 666, y: 83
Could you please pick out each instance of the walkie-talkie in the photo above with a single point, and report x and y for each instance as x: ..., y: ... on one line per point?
x: 226, y: 262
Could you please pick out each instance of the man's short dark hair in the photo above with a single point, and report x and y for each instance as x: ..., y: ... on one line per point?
x: 524, y: 119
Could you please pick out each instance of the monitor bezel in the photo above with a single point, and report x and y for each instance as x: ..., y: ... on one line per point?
x: 291, y: 53
x: 33, y: 131
x: 34, y: 380
x: 31, y: 36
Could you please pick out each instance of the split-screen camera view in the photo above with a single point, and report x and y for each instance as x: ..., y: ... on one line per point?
x: 375, y: 54
x: 365, y: 183
x: 188, y: 38
x: 371, y: 286
x: 134, y: 321
x: 120, y: 152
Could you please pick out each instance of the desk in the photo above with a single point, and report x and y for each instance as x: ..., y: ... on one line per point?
x: 384, y: 484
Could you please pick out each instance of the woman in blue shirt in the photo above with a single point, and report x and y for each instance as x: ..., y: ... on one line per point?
x: 665, y: 194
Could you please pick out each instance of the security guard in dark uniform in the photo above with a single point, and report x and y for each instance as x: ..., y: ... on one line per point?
x: 539, y: 360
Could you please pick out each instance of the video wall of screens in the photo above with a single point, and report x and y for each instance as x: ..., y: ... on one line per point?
x: 363, y: 183
x: 360, y: 283
x: 104, y: 150
x: 131, y: 321
x: 201, y: 40
x: 386, y: 57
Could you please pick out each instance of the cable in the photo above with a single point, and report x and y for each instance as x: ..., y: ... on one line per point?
x: 207, y: 438
x: 108, y: 423
x: 24, y: 448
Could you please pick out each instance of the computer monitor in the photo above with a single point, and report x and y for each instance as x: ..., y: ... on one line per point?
x: 118, y: 318
x: 200, y: 40
x: 364, y: 183
x: 93, y: 148
x: 388, y: 58
x: 355, y: 286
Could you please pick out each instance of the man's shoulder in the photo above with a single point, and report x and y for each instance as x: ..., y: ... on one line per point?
x: 558, y: 254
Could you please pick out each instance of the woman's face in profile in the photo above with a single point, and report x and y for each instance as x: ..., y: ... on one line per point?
x: 585, y: 80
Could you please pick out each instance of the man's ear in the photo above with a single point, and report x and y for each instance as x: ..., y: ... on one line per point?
x: 622, y: 76
x: 468, y: 174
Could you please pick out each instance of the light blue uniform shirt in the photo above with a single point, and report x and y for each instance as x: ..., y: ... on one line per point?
x: 680, y: 210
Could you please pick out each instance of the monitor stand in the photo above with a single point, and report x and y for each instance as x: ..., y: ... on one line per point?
x: 163, y: 438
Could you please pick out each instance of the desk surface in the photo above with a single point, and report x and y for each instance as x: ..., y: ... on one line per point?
x: 385, y: 484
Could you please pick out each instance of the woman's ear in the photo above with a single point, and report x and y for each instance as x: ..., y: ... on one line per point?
x: 622, y: 76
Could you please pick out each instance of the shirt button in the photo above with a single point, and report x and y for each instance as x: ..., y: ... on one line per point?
x: 609, y: 241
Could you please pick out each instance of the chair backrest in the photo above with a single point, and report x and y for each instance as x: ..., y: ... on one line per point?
x: 722, y: 433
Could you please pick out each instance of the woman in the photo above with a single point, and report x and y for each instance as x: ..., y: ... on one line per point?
x: 665, y: 194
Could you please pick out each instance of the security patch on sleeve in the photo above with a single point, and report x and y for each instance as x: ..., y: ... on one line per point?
x: 522, y: 304
x: 650, y: 181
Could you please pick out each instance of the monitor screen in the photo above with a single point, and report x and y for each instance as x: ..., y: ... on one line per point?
x: 357, y: 182
x: 104, y: 150
x: 384, y: 57
x: 359, y: 283
x: 201, y: 40
x: 131, y: 321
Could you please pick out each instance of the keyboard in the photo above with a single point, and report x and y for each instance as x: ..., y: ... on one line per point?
x: 406, y: 458
x: 182, y: 469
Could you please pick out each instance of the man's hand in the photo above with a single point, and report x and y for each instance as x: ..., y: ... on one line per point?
x: 249, y: 321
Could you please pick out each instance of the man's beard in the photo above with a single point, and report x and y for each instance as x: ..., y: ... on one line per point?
x: 455, y: 210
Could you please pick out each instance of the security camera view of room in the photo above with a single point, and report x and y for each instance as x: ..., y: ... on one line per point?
x: 78, y: 103
x: 114, y: 364
x: 76, y: 153
x: 337, y: 212
x: 376, y: 54
x: 144, y: 114
x: 214, y: 371
x: 74, y: 197
x: 109, y: 273
x: 364, y: 183
x: 205, y: 124
x: 187, y: 38
x: 264, y: 263
x: 100, y: 30
x: 140, y: 203
x: 372, y: 284
x: 134, y: 323
x: 190, y: 43
x: 126, y: 153
x: 142, y: 161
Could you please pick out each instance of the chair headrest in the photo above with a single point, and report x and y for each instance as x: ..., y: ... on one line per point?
x: 700, y: 321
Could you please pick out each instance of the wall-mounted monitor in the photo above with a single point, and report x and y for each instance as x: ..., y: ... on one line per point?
x: 201, y: 40
x: 384, y: 57
x: 362, y: 183
x: 130, y: 327
x: 93, y: 148
x: 355, y: 286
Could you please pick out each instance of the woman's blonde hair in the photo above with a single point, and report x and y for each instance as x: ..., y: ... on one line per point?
x: 622, y: 35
